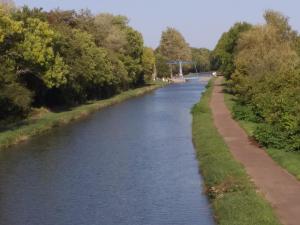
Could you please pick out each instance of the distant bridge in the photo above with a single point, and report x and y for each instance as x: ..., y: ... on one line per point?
x: 193, y: 76
x: 202, y: 77
x: 180, y: 63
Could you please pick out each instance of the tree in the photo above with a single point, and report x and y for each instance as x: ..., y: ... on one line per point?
x: 22, y: 14
x: 66, y: 57
x: 173, y: 45
x: 39, y: 67
x: 132, y: 57
x: 225, y: 50
x: 201, y: 57
x: 30, y: 45
x: 88, y: 66
x: 122, y: 44
x: 110, y: 32
x: 119, y: 72
x: 59, y: 17
x: 260, y: 53
x: 36, y: 54
x: 281, y: 23
x: 8, y: 5
x: 15, y: 99
x: 9, y: 29
x: 163, y: 69
x: 148, y: 62
x: 266, y: 80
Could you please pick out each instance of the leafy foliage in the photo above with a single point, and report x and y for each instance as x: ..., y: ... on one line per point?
x: 201, y: 57
x: 266, y: 81
x: 161, y: 65
x: 148, y: 60
x: 224, y: 53
x: 8, y: 5
x: 66, y: 57
x: 173, y: 45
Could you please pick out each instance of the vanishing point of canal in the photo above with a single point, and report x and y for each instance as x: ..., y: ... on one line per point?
x: 129, y: 164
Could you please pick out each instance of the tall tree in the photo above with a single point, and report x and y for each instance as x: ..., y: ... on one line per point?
x: 8, y: 5
x: 266, y: 79
x: 132, y: 57
x: 201, y: 57
x: 281, y: 24
x: 15, y: 99
x: 110, y: 31
x: 148, y: 61
x: 224, y: 53
x: 173, y: 45
x: 66, y: 57
x: 162, y: 68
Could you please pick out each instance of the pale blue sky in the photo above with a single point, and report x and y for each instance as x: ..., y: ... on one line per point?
x: 200, y: 21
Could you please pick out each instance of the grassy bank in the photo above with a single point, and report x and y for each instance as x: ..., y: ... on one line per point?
x: 287, y: 159
x: 232, y: 194
x: 48, y: 120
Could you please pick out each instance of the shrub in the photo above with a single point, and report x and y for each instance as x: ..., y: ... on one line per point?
x: 244, y: 112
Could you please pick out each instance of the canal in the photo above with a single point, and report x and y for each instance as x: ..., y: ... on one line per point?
x: 129, y: 164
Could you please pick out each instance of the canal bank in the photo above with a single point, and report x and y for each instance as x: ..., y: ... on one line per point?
x: 47, y: 121
x: 131, y: 164
x: 279, y: 187
x: 233, y: 196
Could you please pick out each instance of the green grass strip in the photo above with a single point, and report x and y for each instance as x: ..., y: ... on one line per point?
x: 49, y: 120
x: 234, y: 198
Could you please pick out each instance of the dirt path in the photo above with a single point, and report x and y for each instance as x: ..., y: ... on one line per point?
x: 280, y: 188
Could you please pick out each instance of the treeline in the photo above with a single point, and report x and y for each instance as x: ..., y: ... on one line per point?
x: 261, y: 64
x: 65, y: 57
x: 60, y: 58
x: 173, y: 46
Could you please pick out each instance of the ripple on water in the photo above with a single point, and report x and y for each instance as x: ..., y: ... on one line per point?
x: 131, y: 164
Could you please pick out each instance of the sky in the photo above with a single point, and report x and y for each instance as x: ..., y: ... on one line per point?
x: 201, y: 22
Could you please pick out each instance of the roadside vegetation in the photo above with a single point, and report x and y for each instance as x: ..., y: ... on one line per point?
x: 234, y: 197
x: 262, y: 66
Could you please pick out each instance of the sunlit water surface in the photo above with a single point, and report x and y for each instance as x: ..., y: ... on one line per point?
x: 132, y: 164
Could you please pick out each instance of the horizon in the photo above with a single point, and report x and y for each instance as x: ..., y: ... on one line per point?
x: 151, y: 20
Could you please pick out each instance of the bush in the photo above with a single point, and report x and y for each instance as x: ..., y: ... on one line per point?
x: 15, y: 101
x: 244, y: 112
x: 271, y: 136
x: 274, y: 136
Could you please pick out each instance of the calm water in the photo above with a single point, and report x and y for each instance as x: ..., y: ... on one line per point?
x: 131, y: 164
